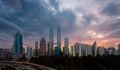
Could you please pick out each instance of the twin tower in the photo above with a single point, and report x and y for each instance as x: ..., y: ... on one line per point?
x: 51, y: 42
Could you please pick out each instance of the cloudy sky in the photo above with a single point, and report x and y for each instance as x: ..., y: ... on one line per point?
x: 83, y: 21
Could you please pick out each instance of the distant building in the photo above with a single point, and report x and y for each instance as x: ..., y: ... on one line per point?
x: 66, y: 45
x: 72, y: 50
x: 36, y: 48
x: 57, y: 51
x: 23, y: 50
x: 42, y: 51
x: 18, y: 44
x: 59, y: 38
x: 51, y: 43
x: 29, y: 51
x: 88, y: 50
x: 118, y: 49
x: 81, y: 50
x: 94, y: 49
x: 112, y: 51
x: 101, y: 51
x: 5, y: 54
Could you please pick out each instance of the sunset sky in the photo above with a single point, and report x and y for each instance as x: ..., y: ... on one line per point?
x: 84, y: 21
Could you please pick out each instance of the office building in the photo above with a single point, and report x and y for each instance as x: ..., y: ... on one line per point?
x: 94, y: 49
x: 59, y: 38
x: 18, y: 44
x: 118, y: 49
x: 66, y: 46
x: 101, y: 51
x: 42, y: 50
x: 36, y: 48
x: 51, y: 43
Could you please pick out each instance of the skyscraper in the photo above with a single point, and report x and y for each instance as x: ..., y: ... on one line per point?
x: 94, y: 49
x: 18, y: 44
x: 36, y: 48
x: 66, y: 45
x: 42, y: 47
x: 59, y: 37
x: 29, y: 51
x: 72, y: 50
x: 101, y: 51
x: 51, y: 42
x: 118, y: 49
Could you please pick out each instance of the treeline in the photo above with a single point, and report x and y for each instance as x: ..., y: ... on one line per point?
x: 111, y: 62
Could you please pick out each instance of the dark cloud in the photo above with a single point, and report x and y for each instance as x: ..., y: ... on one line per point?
x: 6, y: 26
x: 111, y: 9
x: 110, y: 29
x: 34, y: 19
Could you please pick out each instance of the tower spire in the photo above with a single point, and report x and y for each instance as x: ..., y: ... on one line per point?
x: 51, y: 42
x: 59, y: 37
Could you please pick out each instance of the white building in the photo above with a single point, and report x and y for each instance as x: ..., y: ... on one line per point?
x: 66, y: 45
x: 72, y: 50
x: 101, y: 51
x: 81, y: 49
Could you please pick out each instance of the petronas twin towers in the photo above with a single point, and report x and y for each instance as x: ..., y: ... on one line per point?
x: 51, y: 41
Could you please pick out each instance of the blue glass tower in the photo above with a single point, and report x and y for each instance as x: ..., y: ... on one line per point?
x: 18, y: 44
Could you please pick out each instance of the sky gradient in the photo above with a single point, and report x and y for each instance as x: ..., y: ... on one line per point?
x: 83, y: 21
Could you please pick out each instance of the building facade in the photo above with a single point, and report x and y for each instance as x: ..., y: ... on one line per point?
x: 66, y: 46
x: 18, y: 44
x: 42, y: 50
x: 51, y: 43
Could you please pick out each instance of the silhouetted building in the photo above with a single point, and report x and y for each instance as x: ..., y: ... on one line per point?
x: 118, y: 49
x: 59, y: 38
x: 88, y: 50
x: 18, y: 44
x: 51, y: 43
x: 78, y: 49
x: 94, y: 49
x: 57, y: 51
x: 42, y: 51
x: 36, y: 48
x: 101, y: 51
x: 29, y: 51
x: 112, y: 51
x: 5, y: 54
x: 81, y: 50
x: 72, y: 50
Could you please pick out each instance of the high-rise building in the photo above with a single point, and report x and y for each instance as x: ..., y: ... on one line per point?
x: 118, y: 49
x: 29, y: 51
x: 66, y: 45
x: 59, y: 37
x: 18, y: 44
x: 111, y: 51
x: 51, y: 43
x: 57, y: 51
x: 36, y: 48
x: 80, y: 49
x: 72, y: 50
x: 94, y: 49
x: 101, y: 51
x: 42, y: 51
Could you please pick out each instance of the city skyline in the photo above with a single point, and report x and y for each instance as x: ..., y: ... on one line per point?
x: 33, y: 18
